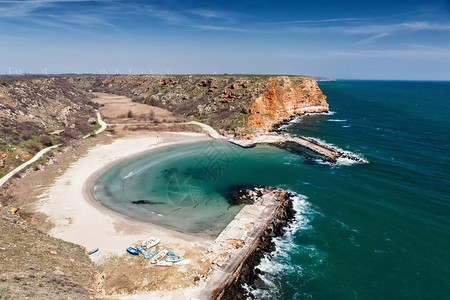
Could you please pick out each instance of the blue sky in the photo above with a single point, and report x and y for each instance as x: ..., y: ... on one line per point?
x: 339, y: 39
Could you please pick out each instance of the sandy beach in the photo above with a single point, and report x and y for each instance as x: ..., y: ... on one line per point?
x: 80, y: 219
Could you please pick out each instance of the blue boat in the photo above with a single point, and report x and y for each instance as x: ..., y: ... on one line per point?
x: 142, y: 250
x: 133, y: 251
x: 173, y: 258
x: 150, y: 255
x: 92, y: 251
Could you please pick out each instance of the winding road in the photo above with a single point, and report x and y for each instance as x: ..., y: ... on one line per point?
x: 45, y: 150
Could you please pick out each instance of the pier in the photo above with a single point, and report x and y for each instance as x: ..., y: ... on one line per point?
x: 328, y: 153
x: 246, y: 235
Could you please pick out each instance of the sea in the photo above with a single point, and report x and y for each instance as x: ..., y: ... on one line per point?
x: 377, y: 230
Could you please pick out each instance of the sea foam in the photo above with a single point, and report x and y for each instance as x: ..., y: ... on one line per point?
x: 278, y: 262
x: 337, y: 120
x: 343, y: 161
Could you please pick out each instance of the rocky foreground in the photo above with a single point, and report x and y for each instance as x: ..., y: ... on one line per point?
x: 34, y: 265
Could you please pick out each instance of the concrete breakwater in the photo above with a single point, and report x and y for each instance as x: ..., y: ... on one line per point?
x: 326, y: 152
x: 240, y: 247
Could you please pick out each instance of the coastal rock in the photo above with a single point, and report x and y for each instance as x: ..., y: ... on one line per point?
x: 239, y: 104
x: 285, y: 98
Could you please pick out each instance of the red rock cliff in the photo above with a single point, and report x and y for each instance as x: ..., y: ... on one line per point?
x: 285, y: 97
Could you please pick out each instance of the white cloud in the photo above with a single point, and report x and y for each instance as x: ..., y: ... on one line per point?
x: 369, y: 30
x: 323, y: 21
x: 398, y: 53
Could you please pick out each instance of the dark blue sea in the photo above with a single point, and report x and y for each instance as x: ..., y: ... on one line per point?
x: 379, y: 230
x: 374, y: 231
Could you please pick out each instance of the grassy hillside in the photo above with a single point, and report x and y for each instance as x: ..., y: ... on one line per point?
x: 33, y: 110
x: 34, y: 265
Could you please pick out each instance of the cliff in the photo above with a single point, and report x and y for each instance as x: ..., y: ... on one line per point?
x: 243, y: 104
x: 284, y: 98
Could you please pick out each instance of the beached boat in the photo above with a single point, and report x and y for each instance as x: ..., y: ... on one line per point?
x: 150, y: 242
x: 150, y: 255
x: 133, y: 251
x: 92, y: 251
x: 142, y: 250
x: 164, y: 263
x: 159, y: 256
x: 173, y: 258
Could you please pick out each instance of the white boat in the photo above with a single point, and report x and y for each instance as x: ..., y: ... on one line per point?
x: 150, y: 242
x: 163, y: 263
x: 159, y: 256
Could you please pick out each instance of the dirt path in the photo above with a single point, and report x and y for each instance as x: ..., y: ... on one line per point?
x: 26, y: 164
x: 45, y: 150
x: 211, y: 131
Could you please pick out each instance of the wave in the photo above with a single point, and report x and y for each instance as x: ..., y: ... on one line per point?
x: 337, y: 120
x: 129, y: 175
x: 343, y: 161
x: 135, y: 172
x: 277, y: 263
x: 298, y: 119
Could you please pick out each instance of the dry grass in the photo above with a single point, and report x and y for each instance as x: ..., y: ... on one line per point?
x: 34, y: 265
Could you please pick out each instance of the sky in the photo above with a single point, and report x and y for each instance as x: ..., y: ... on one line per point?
x: 397, y: 39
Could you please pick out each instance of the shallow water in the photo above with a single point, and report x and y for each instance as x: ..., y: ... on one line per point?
x: 187, y: 187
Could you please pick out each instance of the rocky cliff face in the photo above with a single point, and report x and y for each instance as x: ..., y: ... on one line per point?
x: 242, y: 104
x: 284, y: 98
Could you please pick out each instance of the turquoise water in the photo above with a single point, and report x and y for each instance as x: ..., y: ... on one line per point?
x: 187, y: 187
x: 374, y: 231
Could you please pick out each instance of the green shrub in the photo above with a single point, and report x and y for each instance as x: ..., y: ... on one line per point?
x: 46, y: 140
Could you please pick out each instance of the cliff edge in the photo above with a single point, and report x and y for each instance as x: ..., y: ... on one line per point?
x: 284, y: 98
x: 233, y: 104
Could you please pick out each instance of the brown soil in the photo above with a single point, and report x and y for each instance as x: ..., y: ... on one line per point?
x: 130, y: 273
x: 34, y: 265
x: 126, y: 117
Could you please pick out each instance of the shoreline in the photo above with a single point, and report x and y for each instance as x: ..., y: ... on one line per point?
x: 81, y: 219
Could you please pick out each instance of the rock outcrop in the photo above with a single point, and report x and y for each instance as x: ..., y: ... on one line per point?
x: 285, y: 97
x: 239, y: 104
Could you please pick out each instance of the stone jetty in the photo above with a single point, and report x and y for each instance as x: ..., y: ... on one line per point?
x: 327, y: 152
x: 241, y: 245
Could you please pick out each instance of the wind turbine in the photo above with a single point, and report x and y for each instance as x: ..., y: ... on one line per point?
x: 9, y: 70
